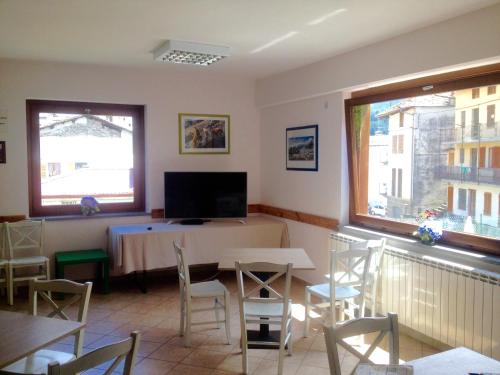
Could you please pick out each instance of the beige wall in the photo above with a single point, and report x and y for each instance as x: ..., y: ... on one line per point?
x: 164, y: 94
x: 299, y: 96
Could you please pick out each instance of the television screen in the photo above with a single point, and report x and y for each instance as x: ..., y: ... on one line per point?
x: 203, y: 195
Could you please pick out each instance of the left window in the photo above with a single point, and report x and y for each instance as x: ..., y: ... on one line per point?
x: 80, y: 149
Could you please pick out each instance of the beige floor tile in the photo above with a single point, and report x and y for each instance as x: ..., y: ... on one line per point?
x: 268, y: 367
x: 190, y: 370
x: 149, y: 366
x: 311, y: 370
x: 233, y: 363
x: 171, y: 353
x: 204, y: 358
x: 316, y: 359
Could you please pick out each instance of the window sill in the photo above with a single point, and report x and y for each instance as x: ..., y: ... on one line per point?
x: 447, y: 255
x: 96, y: 216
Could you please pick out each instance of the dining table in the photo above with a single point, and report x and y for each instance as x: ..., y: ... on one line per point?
x: 23, y: 334
x: 458, y: 361
x: 280, y: 255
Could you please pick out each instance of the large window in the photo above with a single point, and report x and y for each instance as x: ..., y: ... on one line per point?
x: 441, y: 119
x: 85, y: 149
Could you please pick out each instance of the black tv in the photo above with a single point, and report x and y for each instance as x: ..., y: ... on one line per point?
x: 205, y: 195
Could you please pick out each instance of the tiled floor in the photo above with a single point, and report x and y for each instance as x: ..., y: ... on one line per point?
x: 156, y: 315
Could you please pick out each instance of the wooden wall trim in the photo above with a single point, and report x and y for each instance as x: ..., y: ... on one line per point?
x: 12, y: 218
x: 428, y: 80
x: 301, y: 217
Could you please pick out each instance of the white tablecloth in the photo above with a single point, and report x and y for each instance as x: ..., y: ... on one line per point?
x: 136, y: 247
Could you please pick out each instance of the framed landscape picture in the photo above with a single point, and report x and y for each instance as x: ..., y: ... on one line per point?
x: 203, y: 134
x: 302, y: 148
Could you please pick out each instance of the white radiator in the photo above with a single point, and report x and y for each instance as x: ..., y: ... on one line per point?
x: 448, y: 302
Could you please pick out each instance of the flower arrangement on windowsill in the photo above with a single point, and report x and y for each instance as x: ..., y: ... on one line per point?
x: 429, y: 229
x: 89, y: 206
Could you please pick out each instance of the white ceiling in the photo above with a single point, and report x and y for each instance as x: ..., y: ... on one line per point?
x: 265, y: 36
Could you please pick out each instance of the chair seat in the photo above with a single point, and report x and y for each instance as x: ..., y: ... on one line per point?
x: 3, y: 262
x: 38, y: 362
x: 28, y: 261
x: 341, y: 292
x: 208, y: 289
x: 257, y: 309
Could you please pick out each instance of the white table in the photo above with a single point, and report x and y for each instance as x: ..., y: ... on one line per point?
x: 459, y: 361
x: 299, y: 259
x: 142, y: 247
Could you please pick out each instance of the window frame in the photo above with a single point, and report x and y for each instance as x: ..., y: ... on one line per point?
x: 35, y: 106
x: 464, y: 79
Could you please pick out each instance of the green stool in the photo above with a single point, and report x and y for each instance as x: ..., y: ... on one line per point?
x: 64, y: 258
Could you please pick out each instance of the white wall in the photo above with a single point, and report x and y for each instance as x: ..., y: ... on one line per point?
x: 164, y: 94
x: 456, y: 42
x: 298, y: 97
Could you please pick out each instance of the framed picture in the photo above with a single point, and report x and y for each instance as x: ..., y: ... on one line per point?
x: 302, y: 148
x: 203, y: 134
x: 3, y: 153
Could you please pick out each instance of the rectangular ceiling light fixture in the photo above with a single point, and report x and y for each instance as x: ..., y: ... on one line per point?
x: 179, y: 52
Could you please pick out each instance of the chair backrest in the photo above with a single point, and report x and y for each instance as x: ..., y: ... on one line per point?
x: 350, y: 267
x: 183, y: 270
x: 123, y: 350
x: 335, y: 335
x: 24, y: 238
x: 253, y: 271
x: 80, y: 294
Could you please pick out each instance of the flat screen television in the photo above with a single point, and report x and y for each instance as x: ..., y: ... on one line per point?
x: 205, y: 195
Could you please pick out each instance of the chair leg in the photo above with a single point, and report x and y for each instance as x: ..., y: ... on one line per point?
x: 281, y: 357
x: 307, y: 312
x: 187, y: 332
x: 183, y: 314
x: 10, y: 285
x: 290, y: 342
x: 216, y: 311
x: 47, y: 275
x: 244, y: 350
x: 227, y: 313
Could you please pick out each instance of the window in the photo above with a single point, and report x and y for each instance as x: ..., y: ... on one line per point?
x: 492, y: 90
x: 462, y: 118
x: 490, y: 115
x: 451, y: 158
x: 462, y: 199
x: 400, y: 183
x: 85, y: 149
x: 401, y: 143
x: 426, y: 174
x: 401, y: 119
x: 487, y: 204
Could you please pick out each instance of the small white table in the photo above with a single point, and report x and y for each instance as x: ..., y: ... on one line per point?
x: 299, y: 259
x: 280, y: 255
x: 459, y: 361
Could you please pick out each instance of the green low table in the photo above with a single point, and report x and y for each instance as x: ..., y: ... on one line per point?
x: 99, y: 256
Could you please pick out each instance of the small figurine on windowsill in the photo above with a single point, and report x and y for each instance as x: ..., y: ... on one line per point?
x: 89, y: 206
x: 429, y: 230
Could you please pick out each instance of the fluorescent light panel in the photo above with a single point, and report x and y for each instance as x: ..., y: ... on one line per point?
x: 179, y: 52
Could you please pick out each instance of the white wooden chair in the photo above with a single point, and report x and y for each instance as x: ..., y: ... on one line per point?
x: 335, y: 335
x: 24, y: 243
x: 123, y: 350
x: 351, y: 270
x: 275, y: 310
x: 38, y: 361
x: 191, y: 291
x: 3, y: 260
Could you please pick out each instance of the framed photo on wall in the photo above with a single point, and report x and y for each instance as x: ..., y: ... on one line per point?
x: 204, y: 134
x: 302, y: 148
